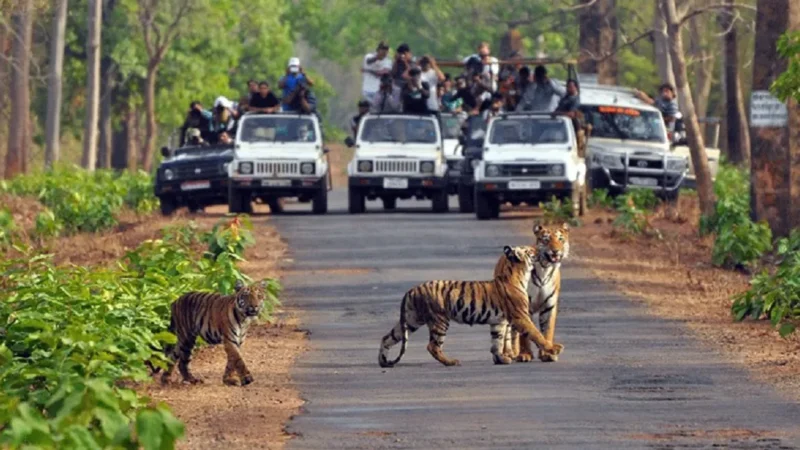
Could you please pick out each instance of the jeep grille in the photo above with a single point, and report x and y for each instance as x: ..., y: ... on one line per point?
x: 277, y: 168
x: 396, y: 166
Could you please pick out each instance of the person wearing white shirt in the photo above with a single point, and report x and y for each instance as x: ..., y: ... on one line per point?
x: 374, y: 67
x: 433, y: 76
x: 490, y: 64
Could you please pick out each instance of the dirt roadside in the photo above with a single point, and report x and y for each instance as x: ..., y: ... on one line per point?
x: 215, y: 415
x: 673, y: 276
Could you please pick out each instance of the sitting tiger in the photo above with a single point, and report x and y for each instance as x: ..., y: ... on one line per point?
x: 217, y: 319
x: 552, y: 244
x: 497, y: 302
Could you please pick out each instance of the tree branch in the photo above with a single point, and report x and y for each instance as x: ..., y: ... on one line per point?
x: 531, y: 21
x: 645, y: 35
x: 704, y: 9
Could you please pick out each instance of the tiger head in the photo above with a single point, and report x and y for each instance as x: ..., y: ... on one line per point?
x: 250, y: 299
x: 552, y: 243
x: 522, y: 259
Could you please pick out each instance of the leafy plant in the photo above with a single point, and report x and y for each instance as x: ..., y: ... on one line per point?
x: 633, y: 217
x: 643, y: 199
x: 599, y: 198
x: 558, y: 211
x: 775, y: 295
x: 47, y: 225
x: 7, y: 228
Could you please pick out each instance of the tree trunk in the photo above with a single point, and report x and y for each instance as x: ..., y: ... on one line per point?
x: 89, y: 160
x: 107, y: 82
x: 510, y: 43
x: 17, y: 153
x: 703, y: 70
x: 598, y: 41
x: 737, y: 133
x: 661, y: 47
x: 134, y: 140
x: 150, y: 116
x: 775, y: 162
x: 705, y: 188
x: 54, y: 87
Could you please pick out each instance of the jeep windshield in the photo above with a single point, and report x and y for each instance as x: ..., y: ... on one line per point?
x: 400, y: 130
x: 203, y: 150
x: 451, y: 126
x: 528, y: 131
x: 618, y: 122
x: 277, y: 129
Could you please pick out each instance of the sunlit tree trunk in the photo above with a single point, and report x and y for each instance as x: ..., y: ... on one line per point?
x: 89, y: 159
x: 54, y: 87
x: 18, y: 144
x: 661, y: 47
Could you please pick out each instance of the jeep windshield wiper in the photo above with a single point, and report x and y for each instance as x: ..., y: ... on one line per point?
x: 620, y: 134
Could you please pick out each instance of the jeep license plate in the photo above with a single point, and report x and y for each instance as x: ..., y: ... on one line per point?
x: 639, y: 181
x: 395, y: 183
x: 519, y: 185
x: 195, y: 185
x: 276, y: 183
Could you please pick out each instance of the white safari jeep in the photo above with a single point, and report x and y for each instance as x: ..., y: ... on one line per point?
x: 277, y: 156
x: 628, y: 146
x: 528, y: 158
x: 397, y: 156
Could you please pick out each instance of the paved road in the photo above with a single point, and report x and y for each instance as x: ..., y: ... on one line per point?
x: 626, y: 380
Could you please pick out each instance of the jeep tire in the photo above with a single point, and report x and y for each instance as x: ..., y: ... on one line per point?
x: 168, y: 205
x: 486, y: 206
x: 389, y: 203
x: 440, y: 201
x: 356, y: 203
x: 319, y: 203
x: 239, y: 202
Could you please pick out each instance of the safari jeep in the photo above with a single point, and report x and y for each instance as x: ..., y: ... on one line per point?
x: 193, y: 176
x: 628, y: 146
x: 528, y: 158
x: 397, y: 156
x: 278, y: 156
x: 680, y: 147
x: 451, y: 145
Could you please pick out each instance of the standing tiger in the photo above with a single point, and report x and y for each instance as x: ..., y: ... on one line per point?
x: 217, y: 319
x: 497, y: 302
x: 552, y: 244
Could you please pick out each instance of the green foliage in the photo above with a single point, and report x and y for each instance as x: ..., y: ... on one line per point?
x: 644, y: 199
x: 788, y: 83
x: 775, y: 295
x: 739, y: 241
x: 74, y: 338
x: 7, y: 228
x: 82, y: 201
x: 599, y: 198
x: 631, y: 219
x: 47, y: 225
x: 558, y: 211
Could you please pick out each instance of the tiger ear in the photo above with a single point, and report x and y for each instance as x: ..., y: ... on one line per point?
x: 238, y: 285
x: 565, y: 227
x: 510, y: 254
x: 537, y: 228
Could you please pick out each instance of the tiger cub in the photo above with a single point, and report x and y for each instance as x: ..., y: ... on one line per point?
x: 552, y: 244
x: 217, y: 319
x: 497, y: 302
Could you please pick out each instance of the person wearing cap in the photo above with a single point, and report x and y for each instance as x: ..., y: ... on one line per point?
x: 415, y: 93
x: 490, y: 67
x: 294, y: 73
x: 432, y: 75
x: 195, y: 138
x: 224, y: 117
x: 374, y: 67
x: 541, y: 95
x: 363, y: 109
x: 387, y: 99
x: 402, y: 64
x: 196, y: 118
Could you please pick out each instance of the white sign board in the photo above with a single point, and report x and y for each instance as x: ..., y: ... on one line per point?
x: 766, y: 111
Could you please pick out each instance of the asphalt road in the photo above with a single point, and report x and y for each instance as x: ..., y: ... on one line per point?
x: 626, y: 380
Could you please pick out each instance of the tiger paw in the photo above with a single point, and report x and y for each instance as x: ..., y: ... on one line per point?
x: 547, y: 357
x: 502, y: 359
x: 193, y: 380
x: 452, y: 362
x: 230, y: 381
x: 525, y: 357
x: 247, y: 379
x: 556, y: 349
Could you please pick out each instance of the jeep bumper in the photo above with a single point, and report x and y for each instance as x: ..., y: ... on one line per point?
x: 279, y: 187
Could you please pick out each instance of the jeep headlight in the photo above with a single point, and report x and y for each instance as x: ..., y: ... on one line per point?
x: 246, y: 168
x: 365, y: 166
x: 307, y: 168
x: 492, y: 170
x: 608, y: 160
x: 556, y: 170
x: 427, y: 167
x: 677, y: 164
x: 169, y: 174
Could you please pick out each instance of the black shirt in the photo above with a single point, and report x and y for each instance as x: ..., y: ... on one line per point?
x: 259, y: 101
x: 467, y: 98
x: 415, y: 101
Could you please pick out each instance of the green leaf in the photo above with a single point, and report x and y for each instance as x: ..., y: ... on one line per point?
x: 786, y: 329
x: 149, y: 429
x: 166, y: 337
x: 79, y: 438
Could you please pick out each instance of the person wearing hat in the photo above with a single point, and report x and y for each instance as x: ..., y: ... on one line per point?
x: 196, y: 118
x: 195, y: 138
x: 375, y: 66
x: 415, y: 93
x: 363, y: 109
x: 402, y: 64
x: 294, y: 73
x: 387, y: 99
x: 541, y: 95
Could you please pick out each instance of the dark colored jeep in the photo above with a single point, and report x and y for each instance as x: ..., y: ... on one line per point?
x: 194, y: 177
x: 472, y: 148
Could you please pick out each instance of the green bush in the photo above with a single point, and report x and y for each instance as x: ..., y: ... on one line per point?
x: 73, y: 339
x: 85, y: 201
x: 739, y: 241
x: 47, y: 225
x: 7, y: 228
x: 642, y: 199
x: 776, y: 294
x: 631, y: 218
x: 599, y: 198
x: 558, y: 211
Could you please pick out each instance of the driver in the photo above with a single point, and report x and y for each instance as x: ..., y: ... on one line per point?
x: 304, y: 133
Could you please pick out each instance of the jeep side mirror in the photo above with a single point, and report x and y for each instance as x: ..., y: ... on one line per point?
x: 165, y: 152
x: 349, y: 142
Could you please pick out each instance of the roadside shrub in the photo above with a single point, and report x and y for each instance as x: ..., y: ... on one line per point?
x: 74, y: 339
x: 739, y: 241
x: 599, y: 198
x: 643, y: 199
x: 47, y: 225
x: 775, y: 295
x: 558, y: 211
x: 634, y: 213
x: 7, y: 228
x: 85, y: 201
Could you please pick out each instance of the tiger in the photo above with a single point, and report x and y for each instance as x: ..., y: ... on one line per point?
x: 552, y: 244
x: 497, y: 302
x: 217, y: 319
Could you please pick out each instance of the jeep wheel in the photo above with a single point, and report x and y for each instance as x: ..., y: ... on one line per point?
x: 319, y: 204
x: 486, y: 207
x: 466, y: 199
x: 356, y: 203
x: 441, y: 201
x: 168, y: 205
x: 275, y: 205
x: 389, y: 203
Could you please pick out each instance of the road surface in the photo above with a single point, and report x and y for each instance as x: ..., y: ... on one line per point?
x: 626, y: 380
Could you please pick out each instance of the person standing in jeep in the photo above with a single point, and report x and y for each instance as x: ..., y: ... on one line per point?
x: 197, y: 118
x: 375, y: 66
x: 387, y: 100
x: 264, y: 101
x: 665, y: 103
x: 289, y: 82
x: 416, y: 93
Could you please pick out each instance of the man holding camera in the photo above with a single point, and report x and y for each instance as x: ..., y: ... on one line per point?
x: 387, y: 99
x: 416, y: 93
x: 301, y: 99
x: 294, y: 76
